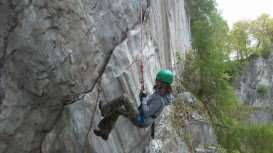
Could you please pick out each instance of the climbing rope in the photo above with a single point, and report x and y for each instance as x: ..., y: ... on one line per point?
x: 141, y: 80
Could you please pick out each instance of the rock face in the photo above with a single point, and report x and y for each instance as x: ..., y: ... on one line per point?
x: 255, y: 87
x: 201, y: 131
x: 52, y: 52
x: 121, y: 75
x: 189, y: 99
x: 58, y: 58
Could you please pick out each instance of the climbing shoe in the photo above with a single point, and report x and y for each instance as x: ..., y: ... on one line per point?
x: 104, y: 136
x: 98, y: 133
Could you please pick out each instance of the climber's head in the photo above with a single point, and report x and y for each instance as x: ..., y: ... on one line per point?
x: 165, y: 76
x: 164, y: 79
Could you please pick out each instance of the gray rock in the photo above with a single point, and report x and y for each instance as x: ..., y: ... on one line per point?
x: 165, y: 138
x: 58, y: 58
x: 255, y: 87
x: 121, y: 75
x: 189, y: 99
x: 258, y: 73
x: 200, y: 131
x: 210, y: 149
x: 52, y: 52
x: 261, y: 116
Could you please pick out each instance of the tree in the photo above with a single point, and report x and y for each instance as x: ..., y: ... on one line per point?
x: 253, y: 36
x: 239, y: 39
x: 262, y: 31
x: 209, y: 32
x: 211, y: 45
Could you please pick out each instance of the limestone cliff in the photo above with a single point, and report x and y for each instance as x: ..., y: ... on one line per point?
x: 58, y: 58
x: 255, y: 87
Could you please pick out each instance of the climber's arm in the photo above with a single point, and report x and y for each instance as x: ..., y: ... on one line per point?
x: 149, y: 110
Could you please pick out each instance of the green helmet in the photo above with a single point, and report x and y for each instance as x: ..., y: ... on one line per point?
x: 165, y: 76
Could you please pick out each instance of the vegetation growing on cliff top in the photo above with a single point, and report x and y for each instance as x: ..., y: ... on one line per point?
x: 211, y: 71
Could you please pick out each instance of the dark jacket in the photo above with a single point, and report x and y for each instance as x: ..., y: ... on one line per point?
x: 153, y: 106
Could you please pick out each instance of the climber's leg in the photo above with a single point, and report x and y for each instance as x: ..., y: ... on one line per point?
x: 107, y: 123
x: 122, y: 100
x: 112, y: 110
x: 129, y: 110
x: 131, y: 116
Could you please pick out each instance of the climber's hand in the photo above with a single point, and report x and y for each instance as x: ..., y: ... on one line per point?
x: 142, y: 95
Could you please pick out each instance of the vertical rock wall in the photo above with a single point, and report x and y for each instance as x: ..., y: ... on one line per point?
x: 58, y: 58
x: 255, y: 87
x: 51, y: 52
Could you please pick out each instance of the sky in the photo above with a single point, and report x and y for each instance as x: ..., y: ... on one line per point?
x: 233, y: 10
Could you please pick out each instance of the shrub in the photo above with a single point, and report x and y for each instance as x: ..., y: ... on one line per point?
x: 262, y: 88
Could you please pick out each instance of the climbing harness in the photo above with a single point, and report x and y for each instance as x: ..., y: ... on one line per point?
x: 140, y: 117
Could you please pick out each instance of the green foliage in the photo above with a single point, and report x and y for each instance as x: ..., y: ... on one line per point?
x: 190, y: 75
x: 265, y: 50
x: 179, y: 56
x: 179, y: 110
x: 234, y: 68
x: 227, y: 109
x: 209, y: 32
x: 252, y: 138
x: 239, y: 39
x: 178, y: 120
x: 252, y: 37
x: 262, y: 88
x: 209, y: 71
x: 221, y: 149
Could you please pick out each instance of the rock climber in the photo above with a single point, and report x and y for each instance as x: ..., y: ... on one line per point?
x: 144, y: 115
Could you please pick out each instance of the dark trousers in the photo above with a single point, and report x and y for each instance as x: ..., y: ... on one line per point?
x: 122, y: 105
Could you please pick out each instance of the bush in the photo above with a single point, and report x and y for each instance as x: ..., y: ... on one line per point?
x: 248, y: 138
x: 262, y: 88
